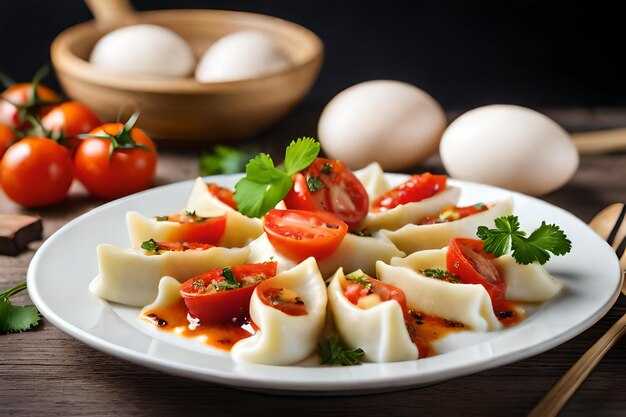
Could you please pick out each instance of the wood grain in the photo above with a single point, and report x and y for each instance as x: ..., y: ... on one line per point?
x: 46, y: 373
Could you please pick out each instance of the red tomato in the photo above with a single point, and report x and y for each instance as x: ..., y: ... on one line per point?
x: 213, y: 305
x: 198, y: 229
x: 183, y: 246
x: 453, y: 213
x: 70, y: 120
x: 7, y: 137
x: 281, y: 299
x: 36, y: 172
x: 22, y: 95
x: 336, y: 189
x: 225, y: 195
x: 415, y: 189
x: 299, y: 234
x: 467, y: 259
x: 125, y: 171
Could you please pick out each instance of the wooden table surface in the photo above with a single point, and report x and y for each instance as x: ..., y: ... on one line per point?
x: 45, y: 372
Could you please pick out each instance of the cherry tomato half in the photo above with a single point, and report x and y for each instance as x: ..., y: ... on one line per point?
x: 21, y: 94
x: 194, y: 228
x: 415, y: 189
x: 71, y: 119
x: 124, y: 171
x: 453, y: 213
x: 225, y: 195
x: 327, y: 184
x: 36, y: 172
x: 281, y: 299
x: 182, y: 246
x: 355, y: 291
x: 207, y: 301
x: 467, y: 259
x: 298, y: 234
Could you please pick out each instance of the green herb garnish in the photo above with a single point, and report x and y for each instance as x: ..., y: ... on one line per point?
x: 265, y: 185
x: 16, y: 318
x: 314, y: 184
x: 441, y: 274
x: 223, y: 160
x: 197, y: 284
x: 162, y: 218
x: 360, y: 278
x: 507, y: 237
x: 150, y: 245
x: 229, y: 282
x: 332, y: 352
x: 326, y: 169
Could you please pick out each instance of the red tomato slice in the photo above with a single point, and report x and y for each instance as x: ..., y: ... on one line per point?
x: 467, y: 259
x: 415, y: 189
x: 281, y: 299
x: 213, y: 305
x: 453, y: 213
x: 198, y: 229
x: 355, y: 291
x: 298, y: 234
x: 335, y: 189
x: 225, y: 195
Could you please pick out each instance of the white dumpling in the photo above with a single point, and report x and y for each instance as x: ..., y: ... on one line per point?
x: 403, y: 214
x: 412, y: 238
x: 284, y: 339
x: 168, y: 294
x: 373, y: 179
x: 468, y: 304
x: 240, y: 229
x: 380, y: 330
x: 131, y: 276
x: 526, y: 283
x: 354, y: 252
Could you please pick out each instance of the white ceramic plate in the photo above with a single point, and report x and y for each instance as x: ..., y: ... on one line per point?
x: 62, y: 268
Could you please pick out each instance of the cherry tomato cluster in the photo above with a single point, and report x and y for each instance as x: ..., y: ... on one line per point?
x: 45, y: 143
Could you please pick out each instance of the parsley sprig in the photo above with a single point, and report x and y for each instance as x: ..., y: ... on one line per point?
x: 223, y: 160
x: 265, y: 185
x: 507, y: 236
x: 332, y: 352
x: 16, y: 318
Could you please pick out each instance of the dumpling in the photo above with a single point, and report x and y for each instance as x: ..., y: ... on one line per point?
x: 373, y: 179
x: 468, y: 304
x: 168, y: 294
x: 194, y: 228
x: 354, y: 252
x: 412, y: 238
x: 403, y: 214
x: 380, y: 329
x: 289, y: 310
x: 240, y: 229
x: 131, y: 276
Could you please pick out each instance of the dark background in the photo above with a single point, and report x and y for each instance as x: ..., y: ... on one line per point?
x: 534, y: 53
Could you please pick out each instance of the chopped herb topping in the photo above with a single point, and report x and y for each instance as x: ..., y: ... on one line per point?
x: 162, y: 218
x: 190, y: 213
x: 326, y: 168
x: 479, y: 206
x: 332, y: 352
x: 331, y: 226
x: 358, y: 277
x: 441, y: 274
x: 197, y: 284
x: 229, y: 282
x: 150, y: 245
x: 362, y: 233
x: 314, y: 184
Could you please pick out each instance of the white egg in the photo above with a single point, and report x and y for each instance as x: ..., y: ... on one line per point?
x: 509, y: 146
x: 391, y: 122
x: 240, y: 55
x: 143, y: 50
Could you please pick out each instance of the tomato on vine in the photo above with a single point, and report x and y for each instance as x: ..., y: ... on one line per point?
x: 115, y: 160
x: 68, y: 120
x: 7, y: 137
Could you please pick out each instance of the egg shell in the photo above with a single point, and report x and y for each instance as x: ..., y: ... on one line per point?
x: 511, y: 147
x: 143, y: 50
x: 391, y: 122
x: 240, y: 55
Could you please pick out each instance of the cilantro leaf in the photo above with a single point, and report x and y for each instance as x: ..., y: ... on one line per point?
x: 506, y: 237
x: 16, y: 318
x: 229, y: 282
x: 333, y: 353
x: 314, y: 184
x: 265, y: 185
x: 300, y: 154
x: 223, y: 160
x: 150, y: 245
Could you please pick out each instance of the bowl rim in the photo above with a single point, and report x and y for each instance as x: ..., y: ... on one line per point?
x: 65, y: 61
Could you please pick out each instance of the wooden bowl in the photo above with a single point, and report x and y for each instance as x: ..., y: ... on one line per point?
x: 183, y: 108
